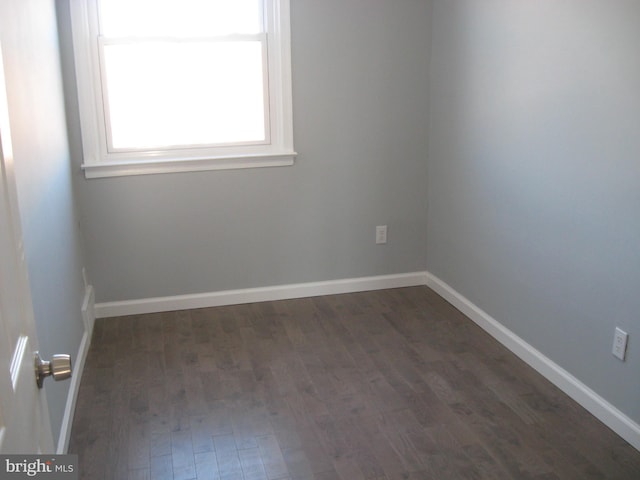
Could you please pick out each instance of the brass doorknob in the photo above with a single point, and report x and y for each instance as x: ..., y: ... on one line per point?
x: 59, y: 368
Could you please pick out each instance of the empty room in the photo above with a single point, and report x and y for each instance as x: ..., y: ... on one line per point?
x: 304, y: 239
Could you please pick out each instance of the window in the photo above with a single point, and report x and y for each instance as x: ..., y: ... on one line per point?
x: 183, y: 85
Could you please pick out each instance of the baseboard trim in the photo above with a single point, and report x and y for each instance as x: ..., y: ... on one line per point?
x: 88, y: 309
x: 88, y: 316
x: 252, y: 295
x: 578, y: 391
x: 74, y: 387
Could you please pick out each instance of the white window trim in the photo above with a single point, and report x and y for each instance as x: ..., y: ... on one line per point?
x: 99, y: 163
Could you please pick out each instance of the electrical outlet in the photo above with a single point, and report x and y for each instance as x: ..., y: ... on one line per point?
x: 620, y: 339
x: 381, y: 234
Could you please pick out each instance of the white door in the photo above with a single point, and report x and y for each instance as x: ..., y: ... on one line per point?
x: 24, y: 417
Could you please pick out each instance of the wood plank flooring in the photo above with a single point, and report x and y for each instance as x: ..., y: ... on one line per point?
x: 394, y: 384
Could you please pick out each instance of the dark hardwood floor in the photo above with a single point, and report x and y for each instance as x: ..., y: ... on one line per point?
x: 395, y: 384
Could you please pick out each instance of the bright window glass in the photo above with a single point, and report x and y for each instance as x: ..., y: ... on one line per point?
x: 168, y: 95
x: 149, y: 18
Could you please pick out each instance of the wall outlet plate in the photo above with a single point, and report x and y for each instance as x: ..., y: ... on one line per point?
x: 381, y: 234
x: 620, y: 339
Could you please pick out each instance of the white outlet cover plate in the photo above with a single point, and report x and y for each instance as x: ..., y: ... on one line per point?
x: 620, y: 343
x: 381, y: 234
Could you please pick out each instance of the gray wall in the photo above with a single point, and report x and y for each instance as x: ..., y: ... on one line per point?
x: 534, y: 175
x: 51, y: 239
x: 360, y: 125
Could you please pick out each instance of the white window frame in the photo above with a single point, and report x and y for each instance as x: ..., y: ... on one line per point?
x: 99, y: 162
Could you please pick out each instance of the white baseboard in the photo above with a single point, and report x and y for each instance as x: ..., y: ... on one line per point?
x: 252, y: 295
x: 88, y: 316
x: 574, y: 388
x: 88, y: 309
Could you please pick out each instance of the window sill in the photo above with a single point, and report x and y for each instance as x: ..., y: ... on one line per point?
x: 150, y: 167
